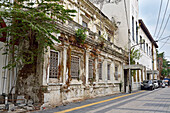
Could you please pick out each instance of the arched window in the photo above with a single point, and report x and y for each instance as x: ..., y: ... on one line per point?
x: 3, y: 34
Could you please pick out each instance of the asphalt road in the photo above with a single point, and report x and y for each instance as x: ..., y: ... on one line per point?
x: 156, y: 101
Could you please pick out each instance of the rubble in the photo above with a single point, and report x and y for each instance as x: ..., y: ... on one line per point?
x: 21, y: 105
x: 11, y: 107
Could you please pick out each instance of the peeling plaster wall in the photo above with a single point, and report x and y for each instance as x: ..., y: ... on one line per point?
x: 57, y: 93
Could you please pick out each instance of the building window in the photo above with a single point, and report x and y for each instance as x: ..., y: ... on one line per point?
x: 54, y: 61
x: 90, y: 68
x: 116, y: 72
x: 144, y: 45
x: 147, y: 49
x: 133, y: 28
x: 75, y: 67
x: 100, y: 71
x: 140, y: 41
x: 84, y: 24
x: 136, y: 33
x: 108, y: 38
x: 108, y: 72
x: 99, y: 33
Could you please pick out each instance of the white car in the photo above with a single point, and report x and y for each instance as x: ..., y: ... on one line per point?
x: 156, y: 85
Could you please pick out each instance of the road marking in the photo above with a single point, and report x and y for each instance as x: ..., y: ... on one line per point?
x: 87, y: 105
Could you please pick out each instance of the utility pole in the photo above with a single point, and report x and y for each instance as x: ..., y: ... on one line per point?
x: 152, y: 63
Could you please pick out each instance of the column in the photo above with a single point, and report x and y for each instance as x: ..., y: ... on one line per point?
x: 87, y: 66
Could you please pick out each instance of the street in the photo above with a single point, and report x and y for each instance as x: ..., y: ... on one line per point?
x: 156, y: 101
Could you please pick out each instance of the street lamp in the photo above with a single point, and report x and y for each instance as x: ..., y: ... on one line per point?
x: 130, y: 83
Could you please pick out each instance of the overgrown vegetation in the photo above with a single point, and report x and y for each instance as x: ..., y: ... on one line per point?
x: 80, y: 36
x: 31, y: 28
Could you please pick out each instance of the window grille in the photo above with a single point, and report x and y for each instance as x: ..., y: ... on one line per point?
x: 100, y: 71
x: 116, y: 73
x: 74, y: 67
x: 54, y: 58
x: 90, y: 68
x: 108, y: 72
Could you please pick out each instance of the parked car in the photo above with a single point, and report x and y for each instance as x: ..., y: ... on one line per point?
x: 163, y: 85
x: 147, y: 84
x: 166, y: 82
x: 155, y: 84
x: 160, y: 83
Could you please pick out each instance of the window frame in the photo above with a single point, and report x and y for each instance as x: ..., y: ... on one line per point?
x: 57, y: 63
x: 100, y: 77
x: 78, y: 67
x: 116, y: 72
x: 89, y: 68
x: 108, y: 71
x: 84, y: 23
x: 136, y: 33
x: 133, y: 37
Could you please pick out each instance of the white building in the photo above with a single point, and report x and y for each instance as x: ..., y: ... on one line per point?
x: 7, y: 78
x: 145, y: 50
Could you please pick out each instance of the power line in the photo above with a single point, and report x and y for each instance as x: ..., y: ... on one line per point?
x: 158, y: 17
x: 164, y: 27
x: 164, y: 38
x: 164, y: 44
x: 163, y: 18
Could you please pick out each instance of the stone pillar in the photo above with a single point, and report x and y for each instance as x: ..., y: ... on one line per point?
x: 46, y: 66
x: 104, y: 70
x: 112, y: 71
x: 64, y: 63
x: 87, y: 66
x: 97, y: 72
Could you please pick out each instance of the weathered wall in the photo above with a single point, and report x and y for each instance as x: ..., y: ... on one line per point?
x: 28, y: 85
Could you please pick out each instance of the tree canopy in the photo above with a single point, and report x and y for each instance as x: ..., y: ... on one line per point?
x: 31, y: 27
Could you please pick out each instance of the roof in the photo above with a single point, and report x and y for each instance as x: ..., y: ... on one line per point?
x: 145, y: 29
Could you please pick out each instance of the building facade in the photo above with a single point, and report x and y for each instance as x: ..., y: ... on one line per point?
x: 130, y: 31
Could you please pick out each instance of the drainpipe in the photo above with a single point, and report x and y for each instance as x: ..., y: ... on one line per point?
x: 5, y: 76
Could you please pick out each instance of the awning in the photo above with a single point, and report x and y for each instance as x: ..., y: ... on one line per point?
x: 133, y: 67
x: 150, y: 71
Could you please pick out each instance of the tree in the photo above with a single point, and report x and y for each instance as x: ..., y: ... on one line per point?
x: 135, y: 55
x: 164, y: 67
x: 31, y: 28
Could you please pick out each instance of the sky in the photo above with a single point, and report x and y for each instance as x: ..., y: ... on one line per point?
x: 148, y: 12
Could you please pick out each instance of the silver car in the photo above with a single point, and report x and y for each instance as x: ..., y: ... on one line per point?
x: 147, y: 84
